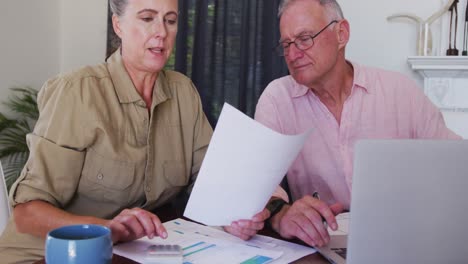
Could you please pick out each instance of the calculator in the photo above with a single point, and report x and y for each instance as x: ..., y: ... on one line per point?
x: 164, y: 254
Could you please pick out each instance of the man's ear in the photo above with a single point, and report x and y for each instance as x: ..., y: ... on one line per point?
x: 343, y: 33
x: 116, y: 25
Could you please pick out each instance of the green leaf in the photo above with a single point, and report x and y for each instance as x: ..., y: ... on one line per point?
x: 14, y: 151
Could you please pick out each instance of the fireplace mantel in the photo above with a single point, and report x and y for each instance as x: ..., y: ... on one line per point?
x: 445, y: 80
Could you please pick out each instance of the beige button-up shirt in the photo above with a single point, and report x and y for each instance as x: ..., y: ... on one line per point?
x: 96, y: 150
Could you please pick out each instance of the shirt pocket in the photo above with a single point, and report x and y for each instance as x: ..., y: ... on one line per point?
x: 176, y: 179
x: 174, y: 173
x: 106, y: 180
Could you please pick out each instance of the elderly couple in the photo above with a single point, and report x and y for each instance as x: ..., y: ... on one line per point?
x: 116, y: 140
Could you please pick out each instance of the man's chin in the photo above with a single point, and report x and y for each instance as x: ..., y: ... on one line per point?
x: 300, y: 78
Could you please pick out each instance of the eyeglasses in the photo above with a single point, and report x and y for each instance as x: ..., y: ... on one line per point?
x: 302, y: 42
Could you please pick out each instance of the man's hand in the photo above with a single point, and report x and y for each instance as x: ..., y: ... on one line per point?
x: 135, y: 223
x: 246, y: 229
x: 303, y: 219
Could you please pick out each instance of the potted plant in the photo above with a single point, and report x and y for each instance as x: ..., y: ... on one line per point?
x: 14, y: 151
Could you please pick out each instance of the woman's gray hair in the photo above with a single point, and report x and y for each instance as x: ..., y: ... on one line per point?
x: 332, y: 8
x: 118, y: 6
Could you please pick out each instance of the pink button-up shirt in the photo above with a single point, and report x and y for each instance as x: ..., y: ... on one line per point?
x: 382, y: 105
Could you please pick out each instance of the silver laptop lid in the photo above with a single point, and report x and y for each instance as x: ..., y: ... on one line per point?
x: 409, y: 202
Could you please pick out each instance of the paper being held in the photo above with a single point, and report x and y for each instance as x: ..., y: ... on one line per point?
x: 244, y: 164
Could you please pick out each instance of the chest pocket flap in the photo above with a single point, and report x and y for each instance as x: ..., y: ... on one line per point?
x: 106, y: 180
x: 175, y: 174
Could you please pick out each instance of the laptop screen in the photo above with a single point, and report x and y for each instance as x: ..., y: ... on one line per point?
x: 409, y: 202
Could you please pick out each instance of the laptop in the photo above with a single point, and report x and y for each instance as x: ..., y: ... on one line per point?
x: 409, y: 204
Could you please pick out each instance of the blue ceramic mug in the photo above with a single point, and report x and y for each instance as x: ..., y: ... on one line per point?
x: 79, y: 244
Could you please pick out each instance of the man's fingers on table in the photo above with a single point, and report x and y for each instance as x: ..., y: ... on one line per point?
x: 327, y: 212
x: 336, y: 209
x: 318, y: 230
x: 297, y: 231
x: 311, y: 227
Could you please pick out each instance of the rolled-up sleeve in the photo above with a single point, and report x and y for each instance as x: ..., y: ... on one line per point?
x: 56, y: 146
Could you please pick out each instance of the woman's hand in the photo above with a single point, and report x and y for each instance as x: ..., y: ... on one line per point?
x: 246, y: 229
x: 135, y: 223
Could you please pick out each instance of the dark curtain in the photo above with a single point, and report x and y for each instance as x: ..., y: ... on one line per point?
x: 226, y: 48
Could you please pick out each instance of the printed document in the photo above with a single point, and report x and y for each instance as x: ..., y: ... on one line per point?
x: 203, y: 244
x: 244, y: 164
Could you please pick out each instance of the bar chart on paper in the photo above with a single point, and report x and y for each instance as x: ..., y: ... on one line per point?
x: 195, y: 248
x: 203, y: 252
x: 200, y: 244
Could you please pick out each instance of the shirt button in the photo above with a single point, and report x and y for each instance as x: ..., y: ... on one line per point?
x: 148, y: 189
x: 100, y: 176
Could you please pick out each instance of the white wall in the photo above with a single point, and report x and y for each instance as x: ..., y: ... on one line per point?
x: 83, y: 33
x: 29, y: 43
x: 378, y: 42
x: 42, y: 38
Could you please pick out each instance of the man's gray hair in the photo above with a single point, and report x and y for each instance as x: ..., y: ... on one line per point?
x: 332, y: 8
x: 118, y: 6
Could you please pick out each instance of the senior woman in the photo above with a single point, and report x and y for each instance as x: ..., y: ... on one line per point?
x: 113, y: 141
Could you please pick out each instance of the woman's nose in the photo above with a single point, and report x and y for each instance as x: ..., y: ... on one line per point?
x: 160, y: 29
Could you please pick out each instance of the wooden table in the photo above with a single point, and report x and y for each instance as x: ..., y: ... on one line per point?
x: 168, y: 212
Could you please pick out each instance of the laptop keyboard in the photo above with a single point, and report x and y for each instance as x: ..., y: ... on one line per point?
x: 340, y: 251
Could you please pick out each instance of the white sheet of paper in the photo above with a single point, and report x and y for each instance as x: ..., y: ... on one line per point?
x: 244, y: 164
x: 203, y: 244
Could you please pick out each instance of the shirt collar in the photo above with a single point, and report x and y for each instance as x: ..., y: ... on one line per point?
x: 161, y: 90
x: 123, y: 83
x: 359, y: 80
x: 299, y: 89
